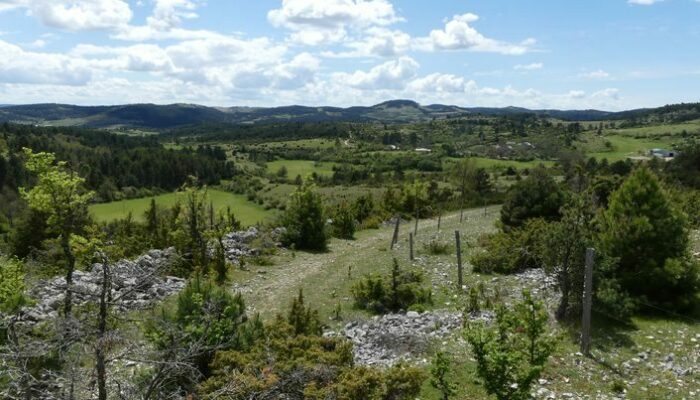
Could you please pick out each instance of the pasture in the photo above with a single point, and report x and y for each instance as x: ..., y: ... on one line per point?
x: 247, y: 212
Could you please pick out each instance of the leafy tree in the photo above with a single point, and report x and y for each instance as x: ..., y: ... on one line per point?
x: 564, y: 249
x: 537, y: 196
x: 304, y: 220
x: 60, y: 194
x: 510, y: 356
x: 439, y: 370
x: 11, y: 284
x: 649, y: 238
x: 464, y: 174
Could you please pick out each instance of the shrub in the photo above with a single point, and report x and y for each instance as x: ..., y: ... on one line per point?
x: 401, y: 291
x: 344, y: 222
x: 11, y: 284
x: 438, y: 370
x: 510, y: 356
x: 538, y: 196
x: 304, y: 220
x: 436, y: 247
x: 649, y: 238
x: 512, y: 251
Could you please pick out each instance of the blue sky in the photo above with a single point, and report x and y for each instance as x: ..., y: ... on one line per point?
x: 606, y: 54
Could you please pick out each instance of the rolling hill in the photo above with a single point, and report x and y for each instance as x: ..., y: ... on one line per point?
x: 163, y: 117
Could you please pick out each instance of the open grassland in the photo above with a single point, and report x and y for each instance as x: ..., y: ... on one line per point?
x: 691, y: 128
x: 297, y: 144
x: 301, y: 167
x: 630, y: 357
x: 615, y: 147
x: 496, y: 164
x: 247, y: 212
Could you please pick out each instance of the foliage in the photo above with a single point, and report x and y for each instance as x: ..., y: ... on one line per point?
x: 537, y: 196
x: 302, y: 319
x: 439, y: 370
x: 435, y: 247
x: 207, y: 316
x: 401, y: 291
x: 510, y: 356
x: 512, y: 251
x: 344, y: 222
x: 649, y: 238
x: 304, y: 220
x: 11, y: 284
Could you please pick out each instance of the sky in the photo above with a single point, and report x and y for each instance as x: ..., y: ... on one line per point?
x: 564, y: 54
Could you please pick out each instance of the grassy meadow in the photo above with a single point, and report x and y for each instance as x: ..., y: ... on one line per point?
x: 301, y: 167
x: 247, y: 212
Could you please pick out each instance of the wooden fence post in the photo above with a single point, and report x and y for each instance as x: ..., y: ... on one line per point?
x: 439, y: 220
x: 415, y: 230
x: 459, y: 260
x: 410, y: 245
x: 395, y: 238
x: 587, y: 303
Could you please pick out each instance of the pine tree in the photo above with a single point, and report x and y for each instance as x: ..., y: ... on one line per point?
x: 304, y: 220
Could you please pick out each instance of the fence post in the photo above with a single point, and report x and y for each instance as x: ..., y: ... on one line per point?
x: 395, y: 238
x: 410, y: 245
x: 439, y: 220
x: 415, y: 230
x: 587, y: 303
x: 459, y: 260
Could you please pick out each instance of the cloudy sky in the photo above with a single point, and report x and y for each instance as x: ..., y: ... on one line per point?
x: 607, y: 54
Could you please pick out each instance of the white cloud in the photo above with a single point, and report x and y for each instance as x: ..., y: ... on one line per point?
x: 377, y: 41
x: 314, y: 22
x: 75, y: 15
x: 444, y: 83
x: 20, y: 66
x: 458, y: 34
x: 389, y: 75
x: 644, y: 2
x: 598, y: 74
x: 529, y: 67
x: 577, y: 94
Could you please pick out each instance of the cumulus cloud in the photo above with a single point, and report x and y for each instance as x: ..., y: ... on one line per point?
x: 76, y: 15
x: 528, y: 67
x: 315, y: 22
x: 20, y: 66
x: 392, y: 74
x: 444, y: 83
x: 458, y: 34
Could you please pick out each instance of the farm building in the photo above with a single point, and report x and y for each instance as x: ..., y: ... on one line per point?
x: 663, y: 153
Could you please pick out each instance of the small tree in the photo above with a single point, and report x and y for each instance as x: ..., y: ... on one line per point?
x: 538, y: 196
x: 439, y: 370
x: 304, y: 320
x: 510, y: 356
x: 649, y: 238
x: 304, y: 220
x: 344, y: 222
x: 61, y: 195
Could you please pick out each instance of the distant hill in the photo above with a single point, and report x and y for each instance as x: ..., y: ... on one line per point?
x: 159, y: 117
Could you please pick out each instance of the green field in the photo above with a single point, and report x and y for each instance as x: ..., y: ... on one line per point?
x: 301, y: 167
x: 622, y: 147
x: 247, y: 212
x: 492, y: 163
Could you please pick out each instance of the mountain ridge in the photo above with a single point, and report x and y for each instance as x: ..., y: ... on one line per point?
x: 167, y: 116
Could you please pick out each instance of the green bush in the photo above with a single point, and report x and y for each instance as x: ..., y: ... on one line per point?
x: 649, y: 238
x: 344, y: 222
x: 511, y: 354
x: 11, y: 284
x: 304, y: 220
x: 512, y: 251
x: 538, y: 196
x: 435, y: 247
x: 400, y: 291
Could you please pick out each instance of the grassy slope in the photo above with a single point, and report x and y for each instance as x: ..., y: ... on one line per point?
x: 301, y: 167
x: 249, y: 213
x: 326, y: 279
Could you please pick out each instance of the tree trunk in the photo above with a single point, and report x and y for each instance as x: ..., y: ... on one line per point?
x: 70, y: 267
x: 100, y: 353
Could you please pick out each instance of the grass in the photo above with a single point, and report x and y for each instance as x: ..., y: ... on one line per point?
x: 247, y: 212
x: 495, y: 164
x: 301, y: 167
x: 622, y: 147
x: 326, y: 279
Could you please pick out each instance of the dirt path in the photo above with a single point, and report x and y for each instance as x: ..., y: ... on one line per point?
x: 326, y: 276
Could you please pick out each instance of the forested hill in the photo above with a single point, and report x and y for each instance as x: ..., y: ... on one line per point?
x: 159, y: 117
x: 109, y: 162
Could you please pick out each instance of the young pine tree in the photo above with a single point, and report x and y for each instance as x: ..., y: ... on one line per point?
x: 304, y: 220
x: 439, y: 370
